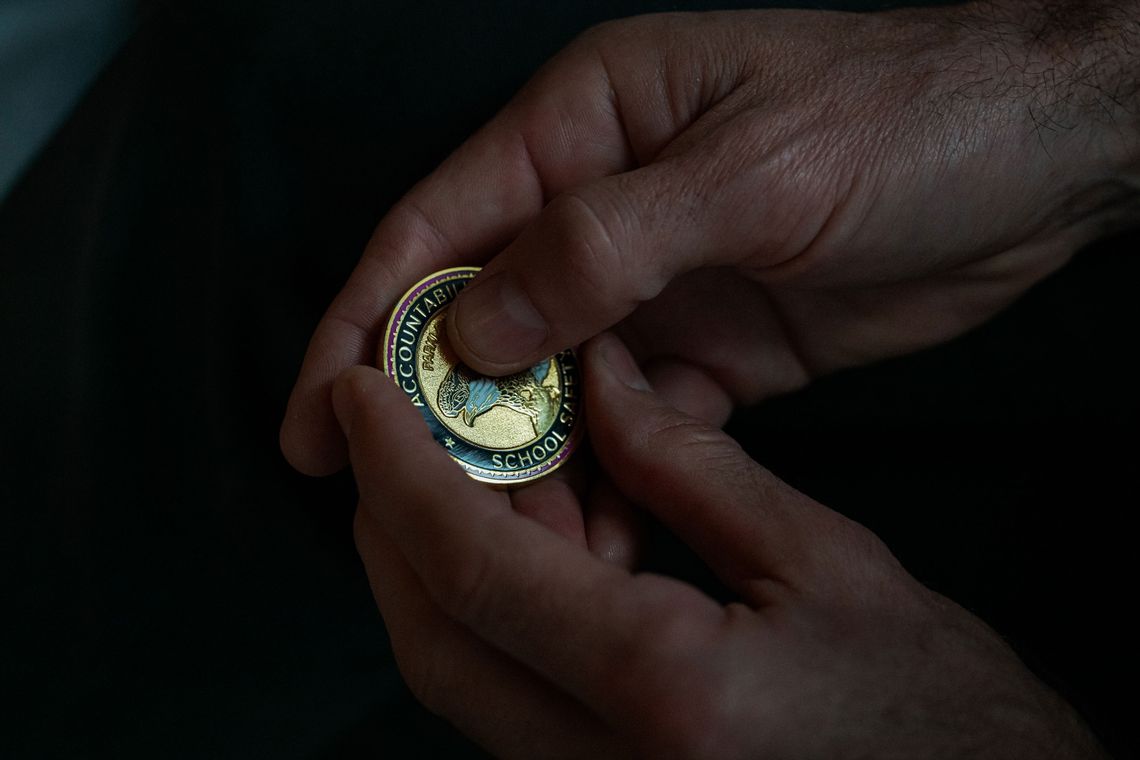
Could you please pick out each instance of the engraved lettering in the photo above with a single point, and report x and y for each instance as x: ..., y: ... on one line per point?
x: 497, y: 460
x: 427, y: 351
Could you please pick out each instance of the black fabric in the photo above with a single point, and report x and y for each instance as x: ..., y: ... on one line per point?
x: 178, y: 591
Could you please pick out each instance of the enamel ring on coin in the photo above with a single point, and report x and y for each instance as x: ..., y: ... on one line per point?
x: 504, y: 431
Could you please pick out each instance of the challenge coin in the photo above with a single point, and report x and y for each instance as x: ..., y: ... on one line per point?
x: 504, y: 431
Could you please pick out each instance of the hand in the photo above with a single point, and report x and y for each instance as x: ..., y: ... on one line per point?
x: 536, y: 648
x: 756, y: 198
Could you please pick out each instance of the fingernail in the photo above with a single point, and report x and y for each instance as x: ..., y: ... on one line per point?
x: 620, y: 361
x: 496, y: 320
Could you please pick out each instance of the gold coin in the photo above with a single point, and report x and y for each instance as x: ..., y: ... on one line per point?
x: 505, y: 431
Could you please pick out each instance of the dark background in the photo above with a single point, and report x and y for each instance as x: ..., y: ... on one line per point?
x: 178, y: 591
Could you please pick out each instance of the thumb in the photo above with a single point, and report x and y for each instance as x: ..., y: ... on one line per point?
x: 582, y: 265
x: 747, y: 524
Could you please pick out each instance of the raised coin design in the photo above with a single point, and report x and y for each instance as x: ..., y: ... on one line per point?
x: 505, y: 431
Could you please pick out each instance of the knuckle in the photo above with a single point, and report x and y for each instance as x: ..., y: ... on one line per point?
x: 696, y: 441
x: 606, y: 33
x: 863, y: 570
x: 631, y: 36
x: 669, y: 638
x: 683, y: 705
x: 686, y: 719
x: 463, y: 596
x: 607, y: 235
x: 688, y: 713
x: 675, y: 626
x: 463, y: 583
x: 405, y: 230
x: 719, y: 454
x: 862, y: 546
x: 426, y: 674
x: 589, y: 232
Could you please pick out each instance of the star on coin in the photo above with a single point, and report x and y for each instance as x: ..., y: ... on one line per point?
x: 449, y: 442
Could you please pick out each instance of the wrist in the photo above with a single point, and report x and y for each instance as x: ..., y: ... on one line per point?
x: 1079, y: 66
x: 1067, y: 75
x: 1093, y: 49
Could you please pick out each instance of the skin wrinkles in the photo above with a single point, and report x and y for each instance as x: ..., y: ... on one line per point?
x: 838, y: 189
x: 840, y: 654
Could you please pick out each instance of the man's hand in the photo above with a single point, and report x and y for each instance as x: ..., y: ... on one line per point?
x: 536, y: 648
x: 756, y: 198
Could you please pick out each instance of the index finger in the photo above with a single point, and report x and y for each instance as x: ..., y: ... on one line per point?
x: 561, y: 130
x: 586, y: 625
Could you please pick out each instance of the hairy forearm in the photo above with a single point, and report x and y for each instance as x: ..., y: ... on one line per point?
x: 1073, y: 65
x: 1098, y: 43
x: 1067, y: 76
